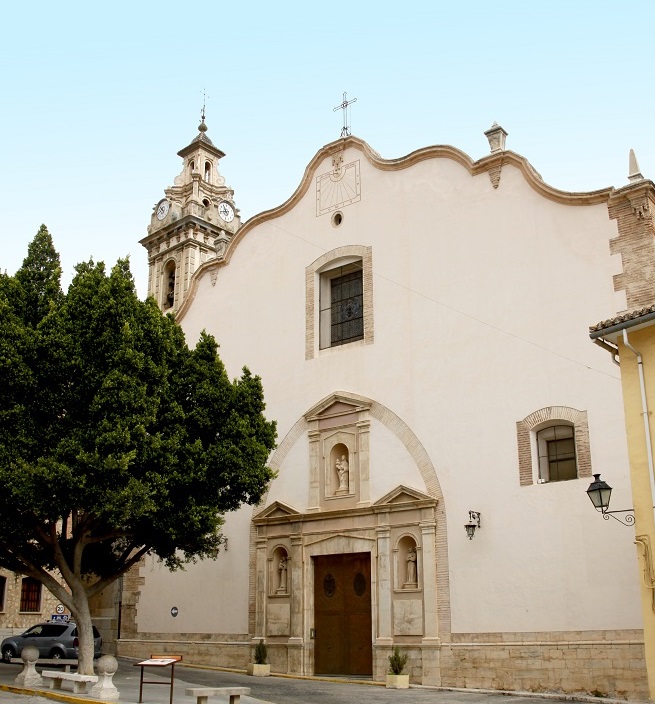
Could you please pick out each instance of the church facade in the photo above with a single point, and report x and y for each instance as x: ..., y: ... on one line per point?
x: 420, y: 327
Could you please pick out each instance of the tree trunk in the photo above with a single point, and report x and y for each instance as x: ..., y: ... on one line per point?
x: 82, y: 615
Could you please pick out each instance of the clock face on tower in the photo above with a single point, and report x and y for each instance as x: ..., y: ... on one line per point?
x: 162, y: 209
x: 226, y: 211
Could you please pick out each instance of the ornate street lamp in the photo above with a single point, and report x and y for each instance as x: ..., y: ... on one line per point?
x: 599, y: 492
x: 473, y: 523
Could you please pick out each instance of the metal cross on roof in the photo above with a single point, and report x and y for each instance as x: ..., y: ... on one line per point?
x: 345, y: 131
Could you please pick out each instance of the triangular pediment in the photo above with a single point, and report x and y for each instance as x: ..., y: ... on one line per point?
x: 337, y: 404
x: 277, y: 510
x: 403, y: 495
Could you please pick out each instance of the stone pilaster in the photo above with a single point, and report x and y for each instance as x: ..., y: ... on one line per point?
x: 314, y: 469
x: 431, y: 644
x: 296, y: 587
x: 384, y: 585
x: 260, y: 582
x: 363, y: 442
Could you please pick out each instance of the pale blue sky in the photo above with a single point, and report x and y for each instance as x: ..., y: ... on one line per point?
x: 98, y: 99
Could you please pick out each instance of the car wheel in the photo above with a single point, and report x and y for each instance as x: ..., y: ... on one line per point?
x: 8, y: 653
x: 56, y: 654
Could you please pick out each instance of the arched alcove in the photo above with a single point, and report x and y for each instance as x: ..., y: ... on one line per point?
x: 407, y: 563
x: 340, y: 465
x: 279, y: 577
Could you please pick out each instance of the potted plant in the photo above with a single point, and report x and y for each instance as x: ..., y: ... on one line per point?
x: 397, y: 661
x: 260, y: 668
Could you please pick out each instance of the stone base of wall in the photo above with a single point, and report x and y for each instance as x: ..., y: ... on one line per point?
x: 602, y: 663
x: 232, y: 651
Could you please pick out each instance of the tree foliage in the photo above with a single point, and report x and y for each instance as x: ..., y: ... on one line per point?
x: 116, y: 439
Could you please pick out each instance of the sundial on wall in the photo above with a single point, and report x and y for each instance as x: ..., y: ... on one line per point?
x: 339, y: 187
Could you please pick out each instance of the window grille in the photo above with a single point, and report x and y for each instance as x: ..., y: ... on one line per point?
x: 347, y: 309
x: 30, y: 595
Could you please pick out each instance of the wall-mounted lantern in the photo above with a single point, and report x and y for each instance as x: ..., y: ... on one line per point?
x: 599, y: 492
x: 473, y: 523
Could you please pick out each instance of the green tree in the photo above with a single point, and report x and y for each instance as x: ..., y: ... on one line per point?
x: 39, y: 278
x: 121, y: 441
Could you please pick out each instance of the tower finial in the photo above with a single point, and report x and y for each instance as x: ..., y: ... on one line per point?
x: 633, y: 168
x: 496, y: 136
x: 202, y: 127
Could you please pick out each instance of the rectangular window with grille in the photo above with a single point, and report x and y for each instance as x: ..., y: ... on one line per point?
x: 30, y: 595
x: 342, y: 305
x: 347, y: 311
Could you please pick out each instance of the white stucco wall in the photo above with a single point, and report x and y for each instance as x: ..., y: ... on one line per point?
x: 210, y: 595
x: 482, y: 300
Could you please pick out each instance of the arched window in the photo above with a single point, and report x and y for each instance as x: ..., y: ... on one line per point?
x: 553, y: 445
x: 169, y: 286
x: 208, y: 171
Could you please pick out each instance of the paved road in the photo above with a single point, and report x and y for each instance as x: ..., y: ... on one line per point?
x: 270, y: 690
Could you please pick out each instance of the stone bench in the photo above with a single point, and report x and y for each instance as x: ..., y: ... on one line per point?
x: 29, y: 677
x: 66, y: 663
x: 202, y: 693
x: 80, y: 682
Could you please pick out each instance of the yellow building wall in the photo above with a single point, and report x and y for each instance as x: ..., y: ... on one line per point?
x: 642, y: 495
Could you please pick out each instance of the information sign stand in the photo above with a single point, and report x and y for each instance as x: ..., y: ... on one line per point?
x: 158, y: 661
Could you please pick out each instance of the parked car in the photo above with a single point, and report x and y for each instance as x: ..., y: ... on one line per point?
x: 54, y: 639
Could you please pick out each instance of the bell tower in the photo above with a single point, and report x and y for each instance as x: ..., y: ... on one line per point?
x: 192, y: 223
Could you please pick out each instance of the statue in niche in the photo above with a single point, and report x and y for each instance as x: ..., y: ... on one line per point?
x: 342, y: 471
x: 411, y: 568
x: 282, y: 569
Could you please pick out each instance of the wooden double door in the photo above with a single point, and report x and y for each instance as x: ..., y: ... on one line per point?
x: 342, y: 614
